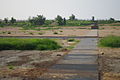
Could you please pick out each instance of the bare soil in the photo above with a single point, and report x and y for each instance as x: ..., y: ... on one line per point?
x: 25, y: 63
x: 18, y: 65
x: 44, y: 31
x: 109, y: 30
x: 110, y: 63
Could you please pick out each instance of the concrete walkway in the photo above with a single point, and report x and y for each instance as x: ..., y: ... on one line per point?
x: 79, y: 64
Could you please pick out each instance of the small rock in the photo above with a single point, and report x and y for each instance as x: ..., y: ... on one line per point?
x: 54, y: 76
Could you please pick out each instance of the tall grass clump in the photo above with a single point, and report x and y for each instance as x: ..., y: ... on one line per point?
x: 110, y: 41
x: 28, y: 44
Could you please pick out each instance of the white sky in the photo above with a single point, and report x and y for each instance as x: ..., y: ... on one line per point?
x: 83, y: 9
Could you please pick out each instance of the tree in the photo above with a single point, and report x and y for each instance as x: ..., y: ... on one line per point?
x: 13, y: 20
x: 72, y: 17
x: 6, y: 20
x: 1, y: 23
x: 39, y: 20
x: 112, y: 19
x: 59, y: 20
x: 64, y: 21
x: 93, y: 18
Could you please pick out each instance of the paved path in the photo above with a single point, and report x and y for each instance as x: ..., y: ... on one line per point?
x: 79, y: 64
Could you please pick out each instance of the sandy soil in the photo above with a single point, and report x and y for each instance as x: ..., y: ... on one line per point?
x: 110, y: 63
x: 26, y: 63
x: 64, y: 31
x: 109, y: 30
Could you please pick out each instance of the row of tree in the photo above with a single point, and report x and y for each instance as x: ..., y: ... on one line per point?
x: 40, y: 20
x: 11, y: 21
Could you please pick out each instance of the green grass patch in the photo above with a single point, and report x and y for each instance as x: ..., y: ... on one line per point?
x: 110, y: 41
x: 11, y: 67
x: 40, y: 33
x: 28, y: 44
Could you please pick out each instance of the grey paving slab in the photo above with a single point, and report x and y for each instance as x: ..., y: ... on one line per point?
x: 81, y: 67
x: 79, y: 64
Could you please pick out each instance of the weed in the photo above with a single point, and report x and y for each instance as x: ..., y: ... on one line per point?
x: 71, y: 40
x: 55, y: 33
x: 40, y: 33
x: 110, y: 41
x: 31, y: 33
x: 3, y: 32
x: 9, y: 32
x: 61, y: 31
x: 11, y: 67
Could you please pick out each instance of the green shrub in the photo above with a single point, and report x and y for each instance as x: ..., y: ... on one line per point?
x: 11, y: 67
x: 28, y: 44
x: 40, y: 33
x: 3, y: 32
x: 31, y: 33
x: 9, y: 32
x: 55, y: 33
x: 110, y: 41
x: 61, y: 31
x: 71, y: 40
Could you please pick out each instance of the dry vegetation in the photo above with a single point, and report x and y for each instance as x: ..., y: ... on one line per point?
x: 111, y: 29
x: 44, y: 31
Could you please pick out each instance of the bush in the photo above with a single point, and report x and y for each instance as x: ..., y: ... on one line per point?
x: 40, y: 33
x: 11, y: 67
x: 9, y: 32
x: 1, y: 24
x: 60, y: 21
x: 31, y: 33
x: 28, y: 44
x: 55, y: 32
x: 3, y: 32
x: 61, y: 31
x: 71, y: 40
x: 39, y: 20
x: 110, y: 41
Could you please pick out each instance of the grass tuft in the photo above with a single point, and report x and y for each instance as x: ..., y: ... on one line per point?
x: 55, y: 33
x: 71, y: 40
x: 110, y: 41
x: 9, y: 32
x: 40, y: 33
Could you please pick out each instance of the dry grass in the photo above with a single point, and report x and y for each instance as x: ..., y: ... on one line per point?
x: 109, y: 30
x: 66, y: 31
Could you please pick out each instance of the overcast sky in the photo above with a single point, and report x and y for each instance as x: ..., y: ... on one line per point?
x: 83, y: 9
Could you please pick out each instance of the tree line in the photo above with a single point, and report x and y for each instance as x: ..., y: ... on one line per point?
x: 38, y: 20
x: 41, y: 20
